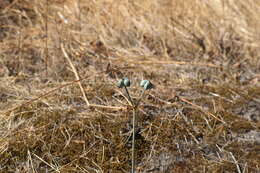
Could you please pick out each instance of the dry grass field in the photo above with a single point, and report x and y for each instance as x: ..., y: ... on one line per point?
x: 60, y: 108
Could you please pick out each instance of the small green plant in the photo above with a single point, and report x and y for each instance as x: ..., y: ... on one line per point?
x: 146, y: 85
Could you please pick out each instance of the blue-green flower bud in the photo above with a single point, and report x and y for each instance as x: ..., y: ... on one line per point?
x: 127, y: 82
x: 120, y: 83
x: 143, y: 82
x: 148, y: 85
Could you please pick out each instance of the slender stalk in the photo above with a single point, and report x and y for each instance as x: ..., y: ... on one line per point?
x: 79, y: 18
x: 146, y: 85
x: 20, y: 46
x: 133, y: 135
x: 133, y: 142
x: 134, y: 106
x: 46, y: 40
x: 142, y: 94
x: 129, y: 97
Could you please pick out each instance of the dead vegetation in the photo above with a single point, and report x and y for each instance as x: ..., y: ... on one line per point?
x: 202, y: 56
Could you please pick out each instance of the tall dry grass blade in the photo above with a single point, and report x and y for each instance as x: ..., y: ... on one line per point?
x: 236, y: 163
x: 75, y: 73
x: 30, y: 162
x: 46, y: 38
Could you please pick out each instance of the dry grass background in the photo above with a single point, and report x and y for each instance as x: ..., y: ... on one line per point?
x: 202, y: 55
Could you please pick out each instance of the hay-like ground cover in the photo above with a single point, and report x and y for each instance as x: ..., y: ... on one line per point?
x: 202, y: 56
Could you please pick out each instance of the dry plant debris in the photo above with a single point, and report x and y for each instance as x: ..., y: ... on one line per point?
x: 61, y: 111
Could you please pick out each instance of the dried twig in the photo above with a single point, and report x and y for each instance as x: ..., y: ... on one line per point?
x: 75, y: 73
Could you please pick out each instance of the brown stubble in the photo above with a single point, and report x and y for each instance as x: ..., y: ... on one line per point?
x: 202, y: 56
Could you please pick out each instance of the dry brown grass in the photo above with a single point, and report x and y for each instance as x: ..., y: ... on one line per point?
x: 203, y: 57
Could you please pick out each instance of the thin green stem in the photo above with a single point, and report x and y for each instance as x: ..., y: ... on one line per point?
x: 129, y: 97
x: 134, y: 106
x: 133, y: 142
x: 133, y: 135
x: 137, y: 103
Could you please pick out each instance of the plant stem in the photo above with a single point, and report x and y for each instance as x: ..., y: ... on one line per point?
x: 133, y: 135
x: 137, y: 103
x: 129, y: 97
x: 133, y: 142
x: 134, y: 106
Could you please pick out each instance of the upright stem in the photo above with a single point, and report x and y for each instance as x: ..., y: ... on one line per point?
x: 46, y: 40
x: 133, y: 135
x: 134, y: 106
x: 133, y: 142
